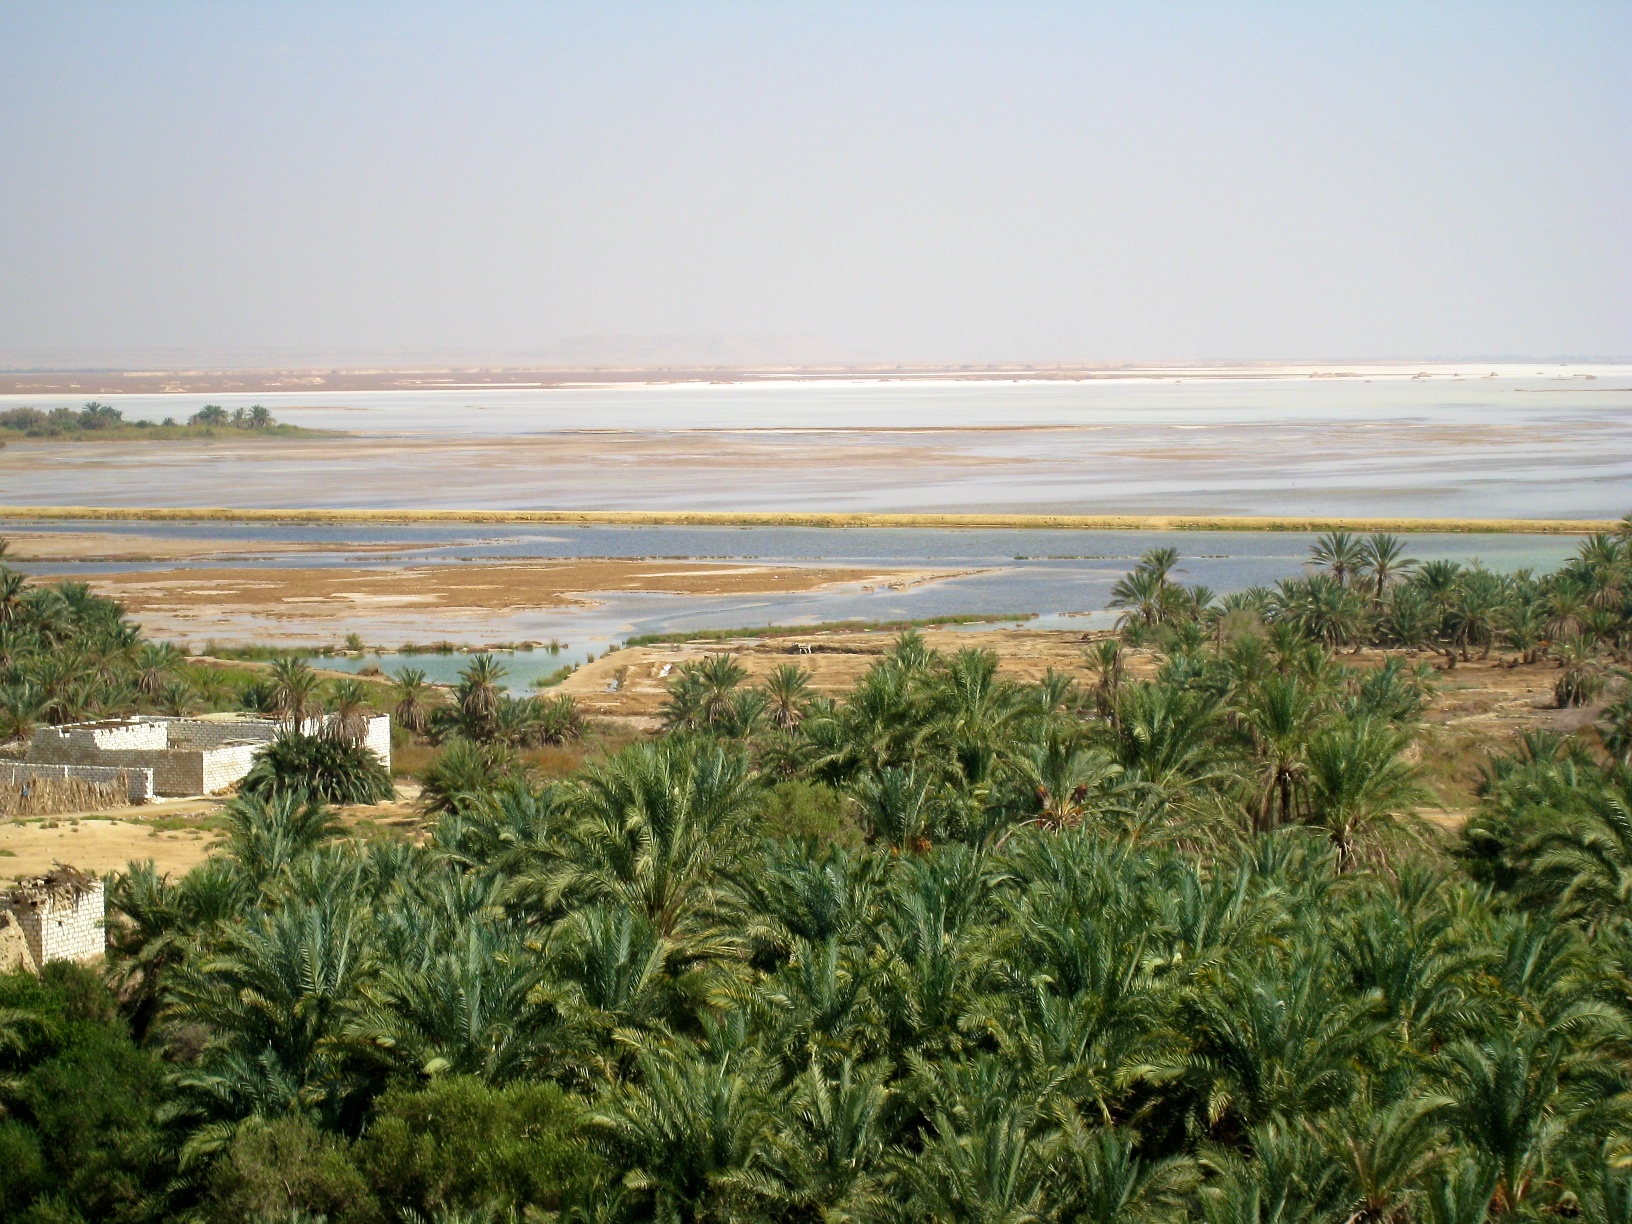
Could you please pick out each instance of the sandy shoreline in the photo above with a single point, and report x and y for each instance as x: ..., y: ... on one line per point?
x: 667, y: 518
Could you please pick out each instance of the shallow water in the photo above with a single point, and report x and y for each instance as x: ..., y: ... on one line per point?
x: 1063, y: 576
x: 1553, y: 446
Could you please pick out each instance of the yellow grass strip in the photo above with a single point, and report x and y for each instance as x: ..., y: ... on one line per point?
x: 732, y: 518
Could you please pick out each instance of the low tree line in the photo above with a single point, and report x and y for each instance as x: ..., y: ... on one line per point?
x: 96, y: 418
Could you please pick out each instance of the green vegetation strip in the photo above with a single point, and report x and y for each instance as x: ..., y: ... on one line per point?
x: 663, y: 518
x: 838, y: 626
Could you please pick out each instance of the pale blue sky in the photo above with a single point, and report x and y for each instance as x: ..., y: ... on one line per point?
x: 940, y: 181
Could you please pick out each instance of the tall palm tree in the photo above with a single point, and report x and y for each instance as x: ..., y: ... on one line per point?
x: 349, y: 711
x: 277, y: 999
x: 1280, y: 716
x: 1106, y: 661
x: 156, y: 666
x: 831, y: 1144
x: 478, y: 694
x: 1383, y: 561
x: 656, y: 825
x: 694, y: 1134
x: 896, y: 809
x: 1341, y: 554
x: 720, y: 675
x: 1506, y: 1109
x: 294, y: 692
x: 13, y: 587
x: 22, y: 708
x: 1361, y: 789
x: 413, y: 696
x: 1144, y: 594
x: 788, y: 688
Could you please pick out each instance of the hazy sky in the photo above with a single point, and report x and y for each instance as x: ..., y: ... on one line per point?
x: 1084, y: 181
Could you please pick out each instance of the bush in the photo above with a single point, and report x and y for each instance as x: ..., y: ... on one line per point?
x: 277, y: 1168
x: 808, y: 809
x: 462, y: 1144
x: 79, y: 1141
x: 324, y: 768
x: 461, y: 771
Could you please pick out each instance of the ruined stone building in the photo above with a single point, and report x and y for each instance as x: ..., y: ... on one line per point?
x: 57, y: 917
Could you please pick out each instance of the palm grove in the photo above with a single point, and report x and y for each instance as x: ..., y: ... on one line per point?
x: 948, y: 948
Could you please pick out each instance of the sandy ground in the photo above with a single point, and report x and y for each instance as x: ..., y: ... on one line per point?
x: 176, y: 834
x: 1307, y: 469
x: 458, y: 590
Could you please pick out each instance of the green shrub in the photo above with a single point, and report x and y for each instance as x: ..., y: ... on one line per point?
x: 796, y: 808
x: 461, y: 772
x: 462, y: 1144
x: 323, y: 767
x: 80, y: 1141
x: 22, y: 1168
x: 285, y: 1166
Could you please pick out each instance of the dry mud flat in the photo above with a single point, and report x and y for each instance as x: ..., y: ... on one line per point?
x: 203, y: 600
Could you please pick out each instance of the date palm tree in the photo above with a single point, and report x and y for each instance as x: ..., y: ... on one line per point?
x: 1361, y: 789
x: 1383, y: 562
x: 1280, y: 716
x: 349, y: 711
x: 294, y: 692
x: 13, y: 589
x: 788, y: 689
x: 156, y: 666
x: 655, y: 825
x: 22, y: 708
x: 277, y: 998
x: 413, y: 699
x: 1341, y: 554
x: 478, y: 695
x: 694, y: 1134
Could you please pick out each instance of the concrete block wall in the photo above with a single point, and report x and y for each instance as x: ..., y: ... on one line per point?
x: 138, y: 782
x: 62, y: 925
x: 90, y: 745
x: 379, y: 738
x: 222, y: 767
x: 201, y: 733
